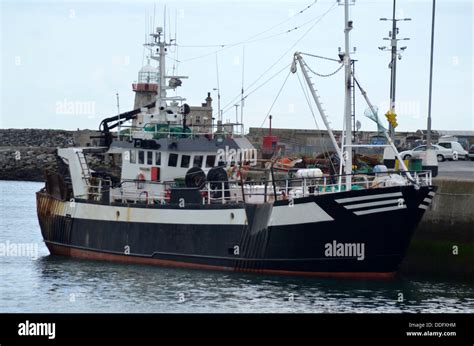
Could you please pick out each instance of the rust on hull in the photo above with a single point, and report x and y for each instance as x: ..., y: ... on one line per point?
x: 54, y: 217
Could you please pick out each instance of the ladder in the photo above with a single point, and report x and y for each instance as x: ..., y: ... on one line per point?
x: 86, y: 173
x: 94, y: 191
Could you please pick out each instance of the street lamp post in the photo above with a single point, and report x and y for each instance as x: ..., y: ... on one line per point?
x: 428, y: 133
x: 395, y: 53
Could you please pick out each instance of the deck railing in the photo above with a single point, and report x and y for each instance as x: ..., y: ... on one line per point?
x: 148, y: 192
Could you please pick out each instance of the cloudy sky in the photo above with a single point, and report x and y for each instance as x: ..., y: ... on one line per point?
x: 63, y: 62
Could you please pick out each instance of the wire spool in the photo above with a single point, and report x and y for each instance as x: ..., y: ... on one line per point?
x: 195, y: 178
x: 217, y: 177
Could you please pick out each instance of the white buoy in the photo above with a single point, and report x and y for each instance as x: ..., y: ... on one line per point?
x: 429, y: 161
x: 309, y: 173
x: 389, y: 157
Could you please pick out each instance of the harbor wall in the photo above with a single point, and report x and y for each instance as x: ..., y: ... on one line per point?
x: 443, y: 244
x: 26, y: 153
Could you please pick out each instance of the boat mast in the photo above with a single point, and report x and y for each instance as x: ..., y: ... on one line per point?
x: 347, y: 99
x: 159, y: 54
x: 162, y: 61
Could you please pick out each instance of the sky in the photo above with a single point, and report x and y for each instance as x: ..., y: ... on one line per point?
x: 63, y: 62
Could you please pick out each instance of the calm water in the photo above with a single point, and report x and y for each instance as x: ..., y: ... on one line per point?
x: 54, y: 284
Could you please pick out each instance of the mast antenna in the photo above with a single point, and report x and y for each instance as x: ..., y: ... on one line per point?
x: 118, y: 112
x: 164, y: 24
x: 219, y: 115
x: 176, y: 61
x: 154, y: 14
x: 169, y: 27
x: 242, y: 129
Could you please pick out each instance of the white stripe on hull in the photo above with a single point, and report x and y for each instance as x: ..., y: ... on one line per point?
x: 281, y: 215
x: 166, y: 216
x: 370, y: 204
x: 365, y: 198
x: 379, y: 210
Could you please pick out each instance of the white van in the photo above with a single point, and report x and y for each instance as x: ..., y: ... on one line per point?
x: 458, y: 150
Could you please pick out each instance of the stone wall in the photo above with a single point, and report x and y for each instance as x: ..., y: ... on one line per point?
x: 36, y: 138
x: 26, y: 153
x: 26, y: 163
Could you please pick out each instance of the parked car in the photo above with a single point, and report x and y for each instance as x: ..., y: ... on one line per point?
x: 455, y: 147
x: 442, y: 153
x: 471, y: 152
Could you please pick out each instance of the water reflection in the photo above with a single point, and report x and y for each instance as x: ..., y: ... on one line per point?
x: 102, y: 286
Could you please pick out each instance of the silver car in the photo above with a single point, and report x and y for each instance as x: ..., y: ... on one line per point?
x: 442, y: 154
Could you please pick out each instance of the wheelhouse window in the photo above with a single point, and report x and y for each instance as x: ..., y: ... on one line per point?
x: 149, y: 157
x: 210, y: 161
x: 198, y: 161
x: 133, y: 156
x: 185, y: 159
x: 173, y: 160
x: 141, y: 157
x: 158, y: 158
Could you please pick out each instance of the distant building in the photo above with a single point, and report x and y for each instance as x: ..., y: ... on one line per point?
x: 309, y: 142
x: 200, y: 118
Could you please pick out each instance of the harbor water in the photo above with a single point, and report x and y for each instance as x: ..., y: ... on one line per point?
x: 34, y: 281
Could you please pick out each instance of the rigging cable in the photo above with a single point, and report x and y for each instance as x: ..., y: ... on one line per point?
x: 320, y: 57
x: 323, y: 145
x: 228, y: 45
x: 229, y: 105
x: 276, y: 98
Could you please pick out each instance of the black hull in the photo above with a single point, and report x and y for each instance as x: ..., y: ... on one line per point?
x: 294, y: 248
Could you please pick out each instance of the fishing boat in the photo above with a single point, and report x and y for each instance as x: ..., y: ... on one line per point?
x: 185, y: 197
